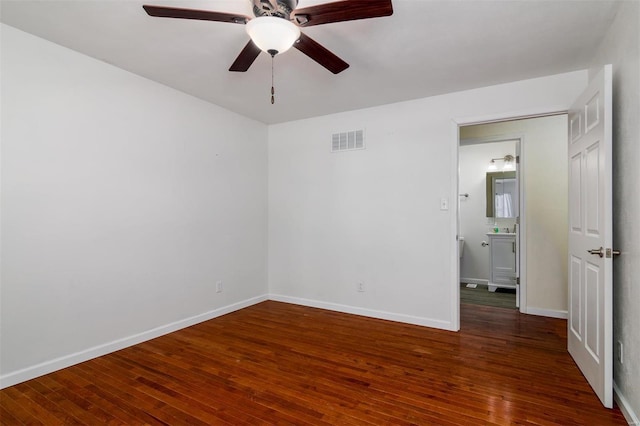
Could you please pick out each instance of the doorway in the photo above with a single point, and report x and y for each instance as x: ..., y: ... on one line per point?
x: 488, y: 219
x: 541, y: 239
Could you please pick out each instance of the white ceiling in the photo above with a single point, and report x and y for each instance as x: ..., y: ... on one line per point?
x: 425, y: 48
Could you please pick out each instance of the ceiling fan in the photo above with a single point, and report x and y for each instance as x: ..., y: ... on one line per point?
x: 276, y: 26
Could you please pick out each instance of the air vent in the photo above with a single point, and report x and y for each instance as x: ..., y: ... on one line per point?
x: 347, y: 141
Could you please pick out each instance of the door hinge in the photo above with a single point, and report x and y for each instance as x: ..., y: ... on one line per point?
x: 518, y: 280
x: 517, y: 159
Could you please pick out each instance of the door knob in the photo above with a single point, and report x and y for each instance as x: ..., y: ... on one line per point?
x: 599, y: 252
x: 612, y: 252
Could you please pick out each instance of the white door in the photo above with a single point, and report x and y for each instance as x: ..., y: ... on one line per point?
x: 590, y: 234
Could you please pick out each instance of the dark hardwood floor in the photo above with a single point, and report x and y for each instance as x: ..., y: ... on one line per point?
x: 480, y: 295
x: 276, y: 363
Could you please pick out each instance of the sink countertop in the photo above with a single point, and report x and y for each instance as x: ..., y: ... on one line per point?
x: 505, y: 234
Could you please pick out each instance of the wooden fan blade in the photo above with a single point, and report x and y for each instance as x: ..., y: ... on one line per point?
x: 245, y: 58
x: 345, y: 10
x: 320, y: 54
x: 202, y: 15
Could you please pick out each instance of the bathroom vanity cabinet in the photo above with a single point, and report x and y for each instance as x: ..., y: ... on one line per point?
x: 503, y: 260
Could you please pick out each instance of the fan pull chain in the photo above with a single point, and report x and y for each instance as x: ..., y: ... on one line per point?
x: 272, y: 89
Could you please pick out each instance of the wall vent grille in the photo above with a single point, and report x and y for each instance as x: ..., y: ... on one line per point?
x: 347, y: 141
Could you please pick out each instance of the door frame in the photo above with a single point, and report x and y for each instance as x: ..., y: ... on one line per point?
x: 456, y: 123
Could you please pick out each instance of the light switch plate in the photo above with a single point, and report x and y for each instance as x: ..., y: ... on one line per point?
x: 444, y: 204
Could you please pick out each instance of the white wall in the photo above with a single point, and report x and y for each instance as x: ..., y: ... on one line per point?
x: 544, y: 172
x: 621, y: 47
x: 374, y: 215
x: 474, y: 224
x: 123, y: 202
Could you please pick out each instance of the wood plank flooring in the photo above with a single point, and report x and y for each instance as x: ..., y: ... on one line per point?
x: 276, y: 363
x: 501, y: 298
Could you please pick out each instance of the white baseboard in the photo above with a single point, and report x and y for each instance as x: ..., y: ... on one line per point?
x: 552, y: 313
x: 626, y: 409
x: 47, y: 367
x: 474, y: 281
x: 409, y: 319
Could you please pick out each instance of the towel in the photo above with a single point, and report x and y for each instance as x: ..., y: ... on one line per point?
x: 503, y: 207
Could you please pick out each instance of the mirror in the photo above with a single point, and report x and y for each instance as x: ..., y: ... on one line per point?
x: 502, y: 194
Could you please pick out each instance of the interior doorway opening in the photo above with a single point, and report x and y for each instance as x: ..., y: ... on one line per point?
x: 519, y: 247
x: 488, y: 219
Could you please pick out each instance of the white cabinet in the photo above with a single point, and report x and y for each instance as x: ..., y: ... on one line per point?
x: 503, y: 261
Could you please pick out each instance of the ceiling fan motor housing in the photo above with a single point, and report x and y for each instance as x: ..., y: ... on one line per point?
x: 277, y: 8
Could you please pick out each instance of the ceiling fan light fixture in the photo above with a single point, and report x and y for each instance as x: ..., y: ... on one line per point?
x: 271, y: 33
